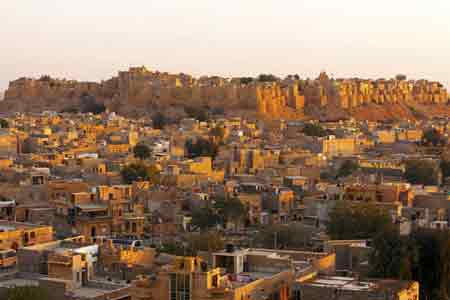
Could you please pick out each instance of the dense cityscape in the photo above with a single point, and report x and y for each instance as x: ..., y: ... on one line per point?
x: 248, y: 188
x: 233, y: 150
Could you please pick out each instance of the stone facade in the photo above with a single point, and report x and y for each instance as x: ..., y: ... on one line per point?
x: 139, y: 88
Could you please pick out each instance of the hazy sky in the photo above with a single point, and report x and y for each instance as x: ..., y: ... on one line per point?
x: 93, y: 39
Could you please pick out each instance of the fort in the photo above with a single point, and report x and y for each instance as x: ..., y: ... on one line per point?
x: 140, y: 89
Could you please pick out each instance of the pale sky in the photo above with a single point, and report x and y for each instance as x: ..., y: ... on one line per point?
x: 93, y: 39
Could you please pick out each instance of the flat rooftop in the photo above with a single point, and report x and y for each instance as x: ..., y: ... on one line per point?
x: 11, y: 226
x: 89, y: 292
x: 10, y: 283
x: 97, y: 289
x: 252, y: 252
x: 59, y: 246
x: 245, y: 278
x: 343, y: 283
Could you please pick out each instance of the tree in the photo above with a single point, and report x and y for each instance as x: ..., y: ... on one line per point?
x: 159, y: 120
x: 207, y: 241
x: 4, y: 123
x: 246, y: 80
x: 221, y: 212
x: 357, y: 221
x: 192, y: 243
x: 422, y: 172
x: 70, y: 110
x: 174, y: 248
x: 27, y: 293
x: 267, y: 78
x: 230, y: 210
x: 141, y: 151
x: 218, y: 110
x: 198, y: 113
x: 432, y: 269
x: 314, y: 130
x: 139, y: 172
x: 201, y: 147
x: 445, y: 168
x: 432, y: 137
x: 347, y: 168
x: 393, y: 256
x: 46, y: 78
x: 205, y: 218
x: 400, y: 77
x: 424, y: 257
x: 218, y: 133
x: 284, y: 237
x: 89, y: 105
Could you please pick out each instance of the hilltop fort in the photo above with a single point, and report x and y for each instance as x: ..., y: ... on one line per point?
x: 142, y: 90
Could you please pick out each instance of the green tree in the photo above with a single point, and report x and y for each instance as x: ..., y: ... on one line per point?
x: 393, y: 256
x: 89, y: 105
x: 45, y: 78
x: 198, y: 113
x: 218, y: 133
x: 201, y: 147
x: 27, y: 293
x: 432, y: 269
x: 220, y: 213
x: 230, y: 210
x: 174, y: 248
x: 422, y: 172
x: 314, y: 130
x: 192, y: 243
x: 246, y: 80
x: 70, y: 110
x: 424, y: 257
x: 4, y: 123
x: 400, y: 77
x: 207, y: 241
x: 349, y: 220
x: 293, y: 236
x: 432, y: 137
x: 218, y: 110
x: 141, y: 151
x: 205, y: 218
x: 267, y: 78
x: 139, y: 172
x: 347, y: 168
x: 445, y: 168
x: 159, y: 120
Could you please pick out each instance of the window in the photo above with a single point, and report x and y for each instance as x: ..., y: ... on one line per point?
x: 32, y: 235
